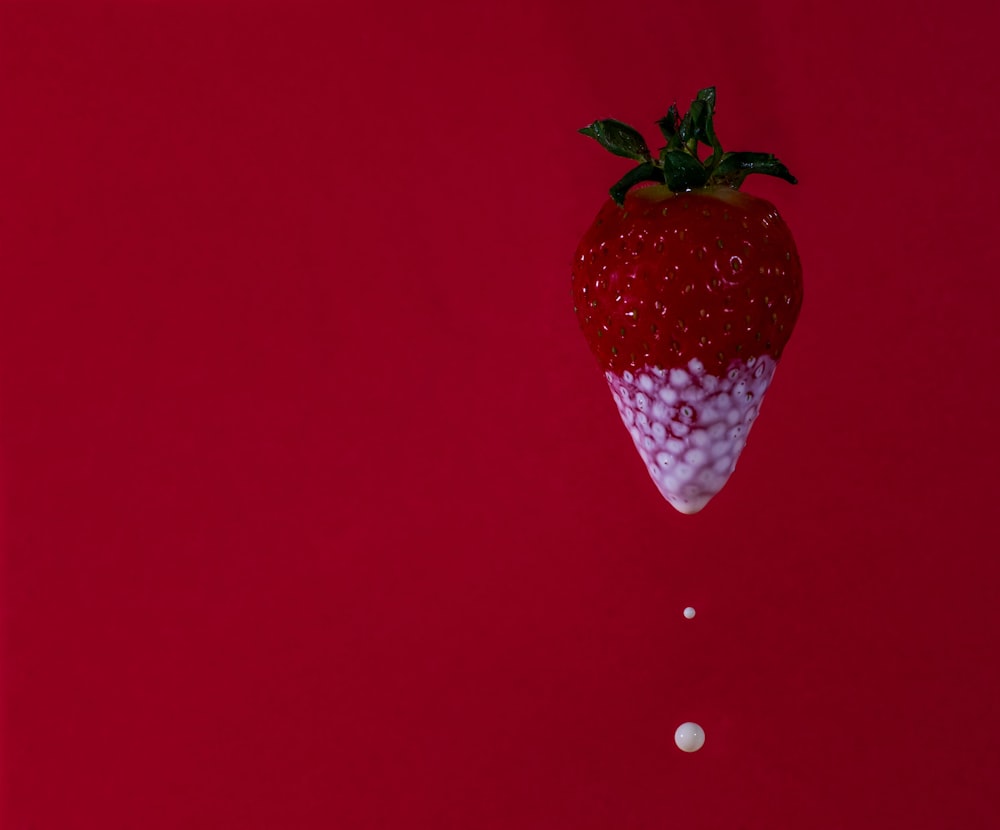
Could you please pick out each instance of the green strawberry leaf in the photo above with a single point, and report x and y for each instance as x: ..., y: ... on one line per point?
x: 618, y: 138
x: 735, y: 167
x: 646, y: 172
x: 704, y: 128
x: 668, y: 126
x: 708, y: 96
x: 682, y: 171
x: 686, y: 138
x: 678, y: 164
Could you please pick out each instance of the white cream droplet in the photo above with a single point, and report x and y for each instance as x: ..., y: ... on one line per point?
x: 689, y: 737
x: 689, y: 613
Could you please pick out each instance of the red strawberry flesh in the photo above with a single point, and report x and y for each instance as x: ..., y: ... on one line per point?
x: 711, y: 274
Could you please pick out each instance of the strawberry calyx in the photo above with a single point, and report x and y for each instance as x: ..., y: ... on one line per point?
x: 678, y: 164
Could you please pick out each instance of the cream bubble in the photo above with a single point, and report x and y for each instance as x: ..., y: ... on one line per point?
x: 723, y: 465
x: 700, y: 438
x: 717, y: 432
x: 689, y: 613
x: 669, y: 395
x: 695, y: 457
x: 675, y: 446
x: 689, y: 737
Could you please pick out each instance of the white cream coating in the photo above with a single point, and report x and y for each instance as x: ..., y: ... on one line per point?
x: 690, y: 426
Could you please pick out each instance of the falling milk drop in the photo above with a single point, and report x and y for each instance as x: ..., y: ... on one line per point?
x: 689, y: 737
x: 689, y: 613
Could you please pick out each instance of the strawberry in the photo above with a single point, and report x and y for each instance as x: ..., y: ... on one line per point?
x: 687, y: 290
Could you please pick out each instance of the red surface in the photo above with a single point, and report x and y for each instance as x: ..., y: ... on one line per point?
x: 318, y: 512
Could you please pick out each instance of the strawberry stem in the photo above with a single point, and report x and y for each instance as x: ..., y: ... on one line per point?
x: 677, y: 164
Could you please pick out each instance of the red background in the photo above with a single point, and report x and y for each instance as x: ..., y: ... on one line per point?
x: 317, y: 510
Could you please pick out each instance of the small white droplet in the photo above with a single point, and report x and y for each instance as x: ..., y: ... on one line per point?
x: 689, y: 613
x: 689, y: 737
